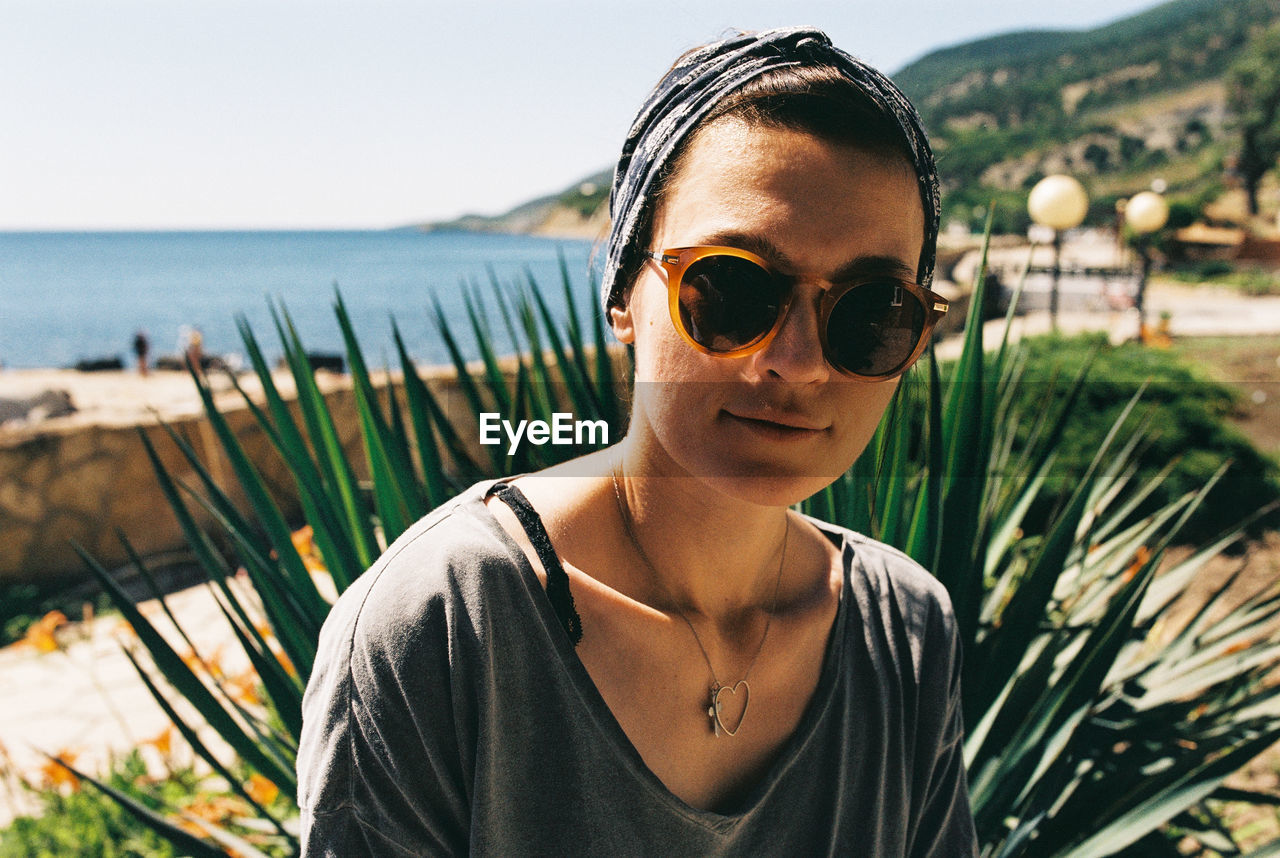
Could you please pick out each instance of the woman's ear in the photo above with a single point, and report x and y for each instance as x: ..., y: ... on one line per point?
x: 622, y: 322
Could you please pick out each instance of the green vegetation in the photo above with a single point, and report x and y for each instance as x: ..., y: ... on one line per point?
x: 1185, y: 413
x: 588, y: 196
x: 21, y: 605
x: 416, y: 459
x: 583, y: 198
x: 1018, y: 78
x: 1253, y: 93
x: 72, y: 822
x: 1117, y: 106
x: 1248, y: 279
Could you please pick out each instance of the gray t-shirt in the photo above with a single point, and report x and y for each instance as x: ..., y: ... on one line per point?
x: 448, y: 714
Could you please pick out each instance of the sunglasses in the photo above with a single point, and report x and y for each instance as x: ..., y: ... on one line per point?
x: 731, y: 303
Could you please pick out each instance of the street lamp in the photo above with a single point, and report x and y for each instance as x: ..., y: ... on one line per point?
x: 1146, y: 213
x: 1060, y: 203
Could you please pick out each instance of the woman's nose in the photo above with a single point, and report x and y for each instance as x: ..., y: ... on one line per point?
x: 795, y: 353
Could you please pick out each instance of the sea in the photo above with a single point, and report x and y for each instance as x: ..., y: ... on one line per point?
x: 72, y: 297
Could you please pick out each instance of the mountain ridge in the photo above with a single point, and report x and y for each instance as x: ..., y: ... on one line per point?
x: 1120, y: 106
x: 1123, y: 106
x: 579, y: 211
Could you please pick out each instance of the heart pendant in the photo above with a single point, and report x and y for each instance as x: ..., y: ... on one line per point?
x: 746, y: 701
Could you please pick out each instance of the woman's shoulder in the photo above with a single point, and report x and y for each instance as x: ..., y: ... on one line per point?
x: 433, y: 570
x: 886, y: 582
x: 882, y: 563
x: 394, y: 660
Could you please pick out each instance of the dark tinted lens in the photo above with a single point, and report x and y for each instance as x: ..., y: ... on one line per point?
x: 874, y: 328
x: 728, y: 303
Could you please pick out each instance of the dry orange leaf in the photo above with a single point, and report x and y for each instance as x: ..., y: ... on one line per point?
x: 1140, y: 559
x: 285, y: 662
x: 163, y: 742
x: 261, y: 790
x: 189, y: 826
x: 212, y: 664
x: 56, y: 775
x: 216, y: 808
x: 304, y: 544
x: 244, y: 688
x: 43, y: 632
x: 303, y: 539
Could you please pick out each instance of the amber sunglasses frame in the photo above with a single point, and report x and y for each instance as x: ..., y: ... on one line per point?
x: 676, y: 261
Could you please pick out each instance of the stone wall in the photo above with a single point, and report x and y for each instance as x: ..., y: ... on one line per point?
x: 65, y: 481
x: 61, y: 484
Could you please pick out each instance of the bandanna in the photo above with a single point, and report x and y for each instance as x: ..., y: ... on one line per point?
x: 699, y: 81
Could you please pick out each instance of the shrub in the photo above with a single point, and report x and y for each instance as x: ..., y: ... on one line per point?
x: 71, y: 822
x: 1185, y: 412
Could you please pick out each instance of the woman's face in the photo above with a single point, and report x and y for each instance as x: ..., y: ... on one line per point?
x: 779, y: 424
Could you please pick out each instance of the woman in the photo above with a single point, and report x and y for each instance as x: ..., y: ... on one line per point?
x: 645, y: 652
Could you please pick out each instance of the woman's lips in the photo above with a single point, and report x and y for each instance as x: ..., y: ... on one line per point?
x: 778, y: 424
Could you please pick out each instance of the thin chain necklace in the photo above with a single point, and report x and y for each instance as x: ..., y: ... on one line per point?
x: 718, y: 689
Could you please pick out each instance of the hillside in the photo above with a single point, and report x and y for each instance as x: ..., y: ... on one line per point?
x: 1118, y: 106
x: 579, y: 211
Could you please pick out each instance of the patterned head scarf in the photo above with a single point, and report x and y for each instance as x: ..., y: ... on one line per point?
x: 699, y: 81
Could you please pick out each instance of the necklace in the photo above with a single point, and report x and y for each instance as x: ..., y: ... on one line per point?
x: 718, y: 689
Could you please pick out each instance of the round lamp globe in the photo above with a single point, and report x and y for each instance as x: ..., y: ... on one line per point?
x: 1058, y: 202
x: 1146, y: 212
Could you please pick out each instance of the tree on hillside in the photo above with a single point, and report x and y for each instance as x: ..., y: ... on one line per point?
x: 1253, y: 93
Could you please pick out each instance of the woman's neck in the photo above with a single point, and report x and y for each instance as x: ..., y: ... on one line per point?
x: 706, y: 551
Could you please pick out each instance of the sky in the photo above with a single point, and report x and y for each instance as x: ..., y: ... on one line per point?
x: 274, y: 114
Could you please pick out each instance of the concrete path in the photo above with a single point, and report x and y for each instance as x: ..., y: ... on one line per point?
x: 1094, y: 303
x: 1193, y: 311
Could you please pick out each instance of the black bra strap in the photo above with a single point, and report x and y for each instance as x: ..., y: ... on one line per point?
x: 557, y: 579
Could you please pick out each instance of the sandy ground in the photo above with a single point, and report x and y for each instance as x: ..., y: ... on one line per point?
x: 85, y: 697
x: 124, y: 397
x: 113, y: 398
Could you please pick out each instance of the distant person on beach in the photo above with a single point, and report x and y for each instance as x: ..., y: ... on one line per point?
x: 646, y: 651
x: 195, y: 349
x: 191, y: 345
x: 141, y: 345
